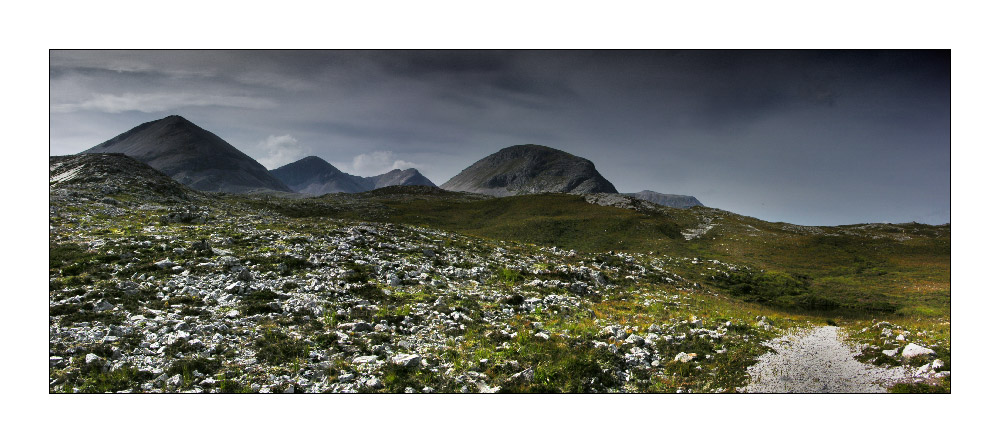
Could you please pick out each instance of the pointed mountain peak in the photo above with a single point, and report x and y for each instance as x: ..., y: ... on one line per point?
x: 192, y: 155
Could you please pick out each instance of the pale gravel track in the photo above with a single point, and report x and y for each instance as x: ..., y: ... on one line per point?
x: 818, y: 361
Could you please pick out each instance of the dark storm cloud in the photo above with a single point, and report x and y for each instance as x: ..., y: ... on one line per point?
x: 814, y: 137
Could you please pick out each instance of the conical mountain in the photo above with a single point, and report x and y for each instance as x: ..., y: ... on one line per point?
x: 530, y: 169
x: 670, y: 200
x: 192, y: 156
x: 315, y: 176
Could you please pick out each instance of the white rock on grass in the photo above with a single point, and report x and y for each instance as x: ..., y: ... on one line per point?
x: 364, y: 359
x: 684, y: 357
x: 406, y: 360
x: 914, y: 350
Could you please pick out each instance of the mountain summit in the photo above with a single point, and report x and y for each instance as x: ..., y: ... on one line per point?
x: 315, y: 176
x: 192, y: 156
x: 530, y: 169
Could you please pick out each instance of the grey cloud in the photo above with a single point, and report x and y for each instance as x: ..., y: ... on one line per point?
x: 159, y: 102
x: 741, y: 128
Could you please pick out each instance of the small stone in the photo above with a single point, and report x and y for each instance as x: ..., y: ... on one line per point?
x: 937, y: 364
x: 345, y: 378
x: 91, y: 358
x: 542, y: 335
x: 233, y: 313
x: 374, y: 383
x: 165, y: 263
x: 175, y: 380
x: 289, y: 390
x: 409, y: 390
x: 890, y: 352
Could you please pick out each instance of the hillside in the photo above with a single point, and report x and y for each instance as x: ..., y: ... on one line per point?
x: 419, y: 289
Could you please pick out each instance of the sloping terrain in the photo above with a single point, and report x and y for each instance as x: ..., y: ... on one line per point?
x: 530, y: 169
x: 417, y: 289
x: 192, y: 156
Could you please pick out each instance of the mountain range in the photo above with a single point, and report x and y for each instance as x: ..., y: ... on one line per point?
x: 203, y: 161
x: 315, y: 176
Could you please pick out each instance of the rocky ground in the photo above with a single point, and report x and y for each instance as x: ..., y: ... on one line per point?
x: 156, y: 288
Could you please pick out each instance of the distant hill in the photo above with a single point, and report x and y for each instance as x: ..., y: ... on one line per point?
x: 530, y: 169
x: 192, y: 156
x: 669, y: 200
x: 315, y: 176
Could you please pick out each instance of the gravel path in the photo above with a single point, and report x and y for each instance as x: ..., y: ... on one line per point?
x: 816, y: 360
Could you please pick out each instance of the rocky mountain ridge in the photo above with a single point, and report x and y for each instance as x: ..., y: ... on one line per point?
x: 669, y: 200
x: 315, y: 176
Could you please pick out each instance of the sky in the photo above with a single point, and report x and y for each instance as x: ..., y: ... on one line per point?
x: 804, y: 137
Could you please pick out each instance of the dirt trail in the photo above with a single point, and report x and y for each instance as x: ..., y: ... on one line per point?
x: 817, y: 360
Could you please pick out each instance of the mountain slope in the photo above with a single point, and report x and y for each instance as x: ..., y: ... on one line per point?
x: 530, y: 169
x: 192, y: 156
x: 315, y: 176
x: 669, y: 200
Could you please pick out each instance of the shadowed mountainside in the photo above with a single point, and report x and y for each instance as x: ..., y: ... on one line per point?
x: 192, y: 156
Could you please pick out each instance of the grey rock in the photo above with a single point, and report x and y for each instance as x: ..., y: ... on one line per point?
x: 102, y: 306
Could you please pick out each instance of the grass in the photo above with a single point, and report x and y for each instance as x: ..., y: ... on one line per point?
x: 275, y: 347
x: 846, y: 270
